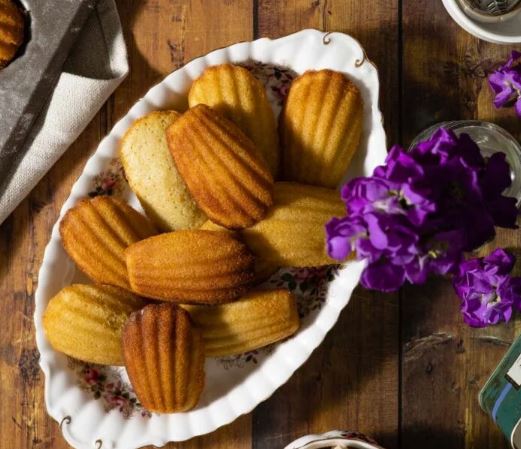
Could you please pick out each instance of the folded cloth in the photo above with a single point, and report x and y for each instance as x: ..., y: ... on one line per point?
x: 96, y: 65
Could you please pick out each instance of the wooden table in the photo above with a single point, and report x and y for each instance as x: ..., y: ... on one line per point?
x: 403, y: 367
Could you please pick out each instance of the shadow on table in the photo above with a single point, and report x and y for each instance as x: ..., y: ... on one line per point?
x: 428, y: 437
x: 349, y: 382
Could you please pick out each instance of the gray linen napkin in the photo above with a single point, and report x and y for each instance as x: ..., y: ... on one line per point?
x: 97, y: 64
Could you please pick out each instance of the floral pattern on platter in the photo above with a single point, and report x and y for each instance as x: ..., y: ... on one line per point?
x: 276, y: 79
x: 110, y: 181
x: 107, y: 383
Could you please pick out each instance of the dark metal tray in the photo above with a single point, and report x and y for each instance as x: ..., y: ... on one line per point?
x: 26, y: 83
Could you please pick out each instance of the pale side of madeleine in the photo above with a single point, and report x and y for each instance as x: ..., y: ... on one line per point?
x: 153, y: 176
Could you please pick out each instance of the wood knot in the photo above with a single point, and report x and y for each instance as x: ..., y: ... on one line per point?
x: 28, y: 365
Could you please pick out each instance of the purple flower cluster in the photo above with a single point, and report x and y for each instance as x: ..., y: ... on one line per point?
x: 421, y: 210
x: 506, y: 83
x: 488, y: 291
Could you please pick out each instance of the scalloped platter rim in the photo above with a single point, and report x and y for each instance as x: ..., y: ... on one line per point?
x: 96, y: 408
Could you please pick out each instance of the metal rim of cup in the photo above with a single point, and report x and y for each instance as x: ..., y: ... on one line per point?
x: 482, y: 16
x: 455, y: 124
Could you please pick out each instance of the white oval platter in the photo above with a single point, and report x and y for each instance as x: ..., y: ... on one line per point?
x: 94, y: 405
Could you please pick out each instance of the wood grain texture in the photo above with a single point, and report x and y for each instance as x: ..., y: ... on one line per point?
x: 408, y: 372
x: 24, y: 422
x: 351, y: 381
x: 446, y: 363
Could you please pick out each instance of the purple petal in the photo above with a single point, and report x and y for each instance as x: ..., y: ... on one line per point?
x: 383, y: 276
x: 513, y: 57
x: 502, y: 259
x: 504, y: 211
x: 496, y: 176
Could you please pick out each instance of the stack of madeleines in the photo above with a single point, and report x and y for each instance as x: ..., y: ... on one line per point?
x: 227, y: 205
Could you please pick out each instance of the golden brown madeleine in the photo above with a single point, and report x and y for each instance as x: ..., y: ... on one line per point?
x: 95, y: 233
x: 164, y: 357
x: 263, y: 269
x: 152, y: 175
x: 258, y: 319
x: 293, y: 232
x: 321, y: 127
x: 86, y: 321
x: 217, y: 161
x: 190, y: 266
x: 12, y: 31
x: 237, y: 94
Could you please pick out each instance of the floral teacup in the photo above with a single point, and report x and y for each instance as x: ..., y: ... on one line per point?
x: 336, y: 439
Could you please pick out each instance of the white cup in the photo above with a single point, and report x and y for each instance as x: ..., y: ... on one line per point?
x: 336, y: 439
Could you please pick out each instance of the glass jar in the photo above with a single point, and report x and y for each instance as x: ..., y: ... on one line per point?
x: 490, y: 138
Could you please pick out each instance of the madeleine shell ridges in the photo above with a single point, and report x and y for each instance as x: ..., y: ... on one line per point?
x: 164, y: 357
x: 263, y: 268
x: 230, y: 184
x: 257, y: 319
x: 320, y: 127
x: 153, y: 176
x: 293, y: 232
x: 85, y: 322
x: 233, y: 91
x: 95, y: 233
x: 190, y: 266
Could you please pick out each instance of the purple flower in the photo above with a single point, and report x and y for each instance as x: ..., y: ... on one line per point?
x: 487, y: 290
x: 494, y: 180
x: 506, y: 83
x: 421, y: 210
x: 342, y: 236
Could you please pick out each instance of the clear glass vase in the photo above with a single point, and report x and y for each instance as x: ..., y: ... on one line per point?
x: 490, y: 139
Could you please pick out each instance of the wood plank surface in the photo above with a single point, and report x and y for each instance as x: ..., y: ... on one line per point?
x: 402, y: 368
x: 445, y: 363
x: 351, y: 381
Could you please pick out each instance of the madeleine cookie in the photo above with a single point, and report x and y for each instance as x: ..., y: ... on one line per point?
x: 190, y: 266
x: 152, y: 175
x: 263, y: 269
x: 237, y: 94
x: 85, y: 322
x: 95, y: 233
x: 12, y: 31
x: 257, y: 319
x: 293, y: 232
x: 320, y: 127
x: 164, y: 358
x: 218, y: 163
